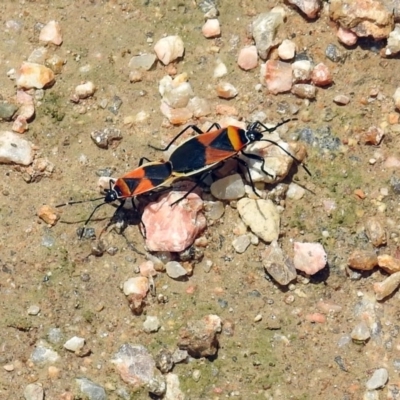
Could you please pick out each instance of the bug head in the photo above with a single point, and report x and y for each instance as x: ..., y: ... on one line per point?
x: 111, y: 195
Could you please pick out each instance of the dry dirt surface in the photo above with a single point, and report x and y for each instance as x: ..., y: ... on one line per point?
x: 280, y: 342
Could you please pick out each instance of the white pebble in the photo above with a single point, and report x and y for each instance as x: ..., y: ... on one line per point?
x: 151, y: 324
x: 286, y: 50
x: 138, y: 285
x: 85, y: 90
x: 226, y: 90
x: 15, y: 149
x: 74, y: 344
x: 378, y: 379
x: 220, y: 69
x: 51, y: 33
x: 33, y: 310
x: 168, y: 49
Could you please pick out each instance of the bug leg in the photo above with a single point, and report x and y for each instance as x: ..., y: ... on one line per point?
x: 142, y: 160
x: 194, y: 127
x: 259, y: 158
x: 244, y: 163
x: 197, y: 184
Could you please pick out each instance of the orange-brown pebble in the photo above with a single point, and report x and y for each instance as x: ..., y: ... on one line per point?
x: 360, y: 194
x: 363, y: 259
x: 48, y: 214
x: 389, y: 263
x: 191, y: 289
x: 53, y: 372
x: 316, y: 317
x: 393, y: 118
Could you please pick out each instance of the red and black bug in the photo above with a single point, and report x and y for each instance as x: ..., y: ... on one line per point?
x: 144, y: 179
x: 208, y: 150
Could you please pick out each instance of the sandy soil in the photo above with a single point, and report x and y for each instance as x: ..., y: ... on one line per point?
x: 282, y: 356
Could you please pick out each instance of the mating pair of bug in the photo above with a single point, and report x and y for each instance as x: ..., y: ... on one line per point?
x: 197, y: 156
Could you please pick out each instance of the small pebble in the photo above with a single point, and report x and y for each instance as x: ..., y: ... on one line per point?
x: 361, y: 332
x: 15, y: 149
x: 375, y: 231
x: 175, y: 270
x: 196, y: 375
x: 169, y: 48
x: 321, y: 76
x: 387, y: 286
x: 332, y: 52
x: 258, y: 318
x: 85, y: 90
x: 92, y: 390
x: 211, y: 28
x: 143, y: 61
x: 378, y: 379
x: 51, y: 33
x: 241, y: 243
x: 48, y: 214
x: 286, y: 50
x: 151, y: 324
x: 226, y: 90
x: 220, y: 69
x: 9, y: 367
x: 304, y: 91
x: 363, y: 260
x: 389, y: 263
x: 341, y: 99
x: 309, y: 257
x: 33, y: 310
x: 74, y: 344
x: 396, y: 98
x: 248, y: 58
x: 346, y: 36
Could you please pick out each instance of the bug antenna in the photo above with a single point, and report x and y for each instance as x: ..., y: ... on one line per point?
x: 288, y: 153
x: 68, y: 203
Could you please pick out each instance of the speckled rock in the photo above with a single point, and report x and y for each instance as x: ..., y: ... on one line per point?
x: 173, y: 227
x: 135, y: 364
x: 15, y: 149
x: 277, y: 265
x: 309, y: 257
x: 264, y: 29
x: 199, y: 337
x: 363, y: 17
x: 375, y: 231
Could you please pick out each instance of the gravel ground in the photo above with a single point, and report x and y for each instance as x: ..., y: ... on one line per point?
x: 323, y: 336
